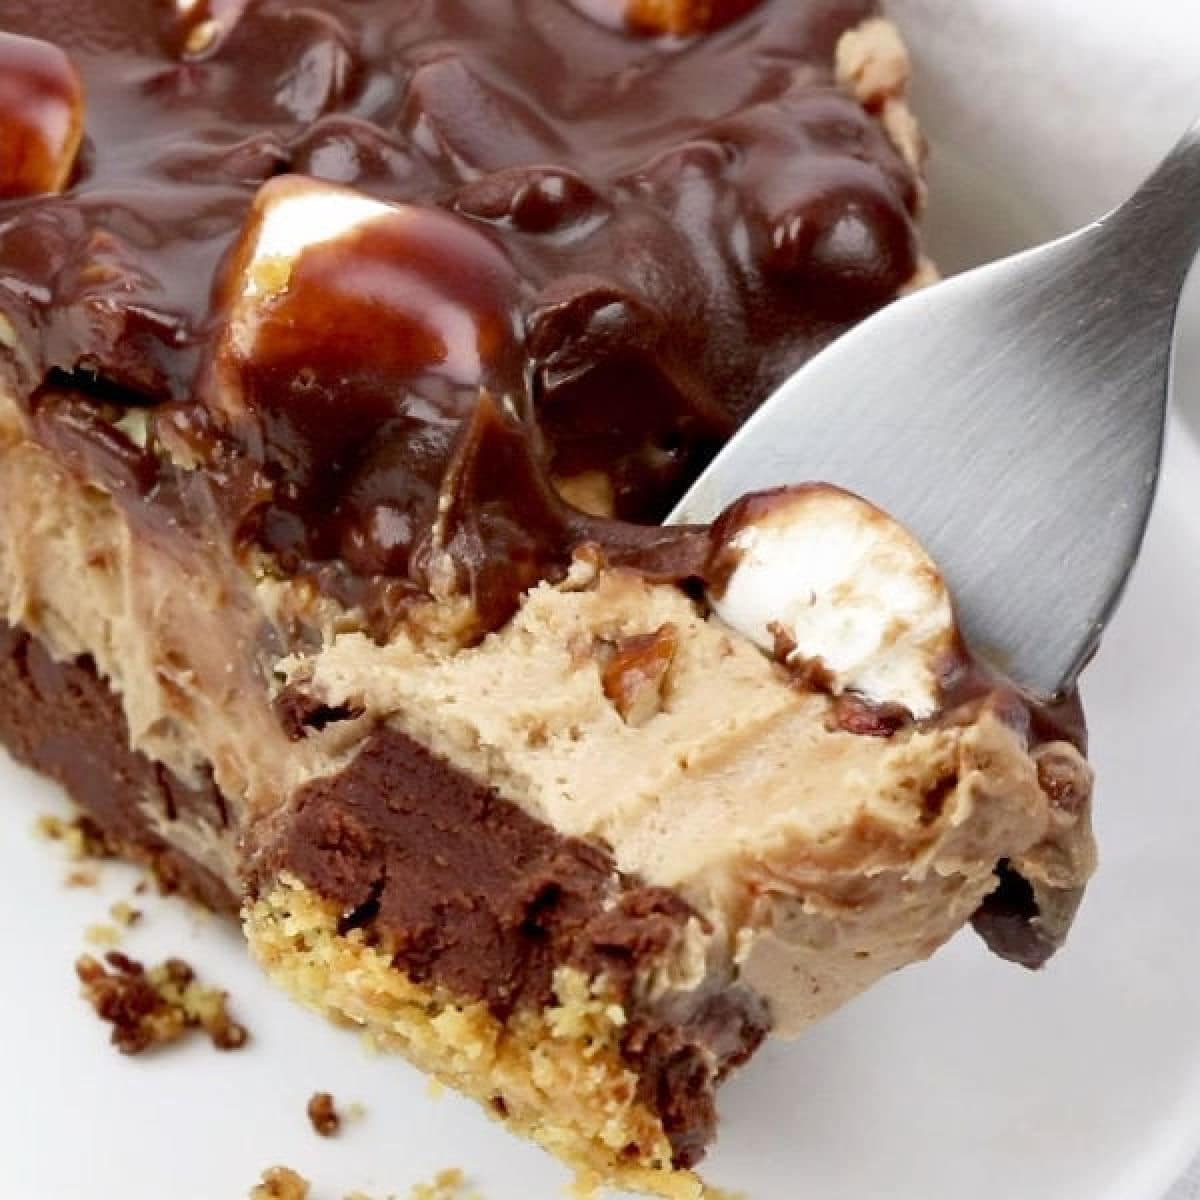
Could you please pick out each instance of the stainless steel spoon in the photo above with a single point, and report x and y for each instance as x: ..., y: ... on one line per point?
x: 1012, y: 417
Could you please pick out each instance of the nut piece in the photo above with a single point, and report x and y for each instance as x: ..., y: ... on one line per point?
x: 636, y: 674
x: 873, y: 63
x: 589, y: 491
x: 41, y: 116
x: 837, y: 582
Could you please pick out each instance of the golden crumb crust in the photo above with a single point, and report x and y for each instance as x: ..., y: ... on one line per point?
x: 556, y: 1075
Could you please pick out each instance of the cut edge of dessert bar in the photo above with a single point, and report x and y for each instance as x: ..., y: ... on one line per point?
x: 642, y: 830
x: 660, y: 988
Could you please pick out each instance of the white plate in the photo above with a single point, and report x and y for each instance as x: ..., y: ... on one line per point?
x: 962, y: 1077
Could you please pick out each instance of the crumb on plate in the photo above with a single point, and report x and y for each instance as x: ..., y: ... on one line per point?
x: 124, y: 914
x: 323, y: 1114
x: 156, y: 1006
x: 83, y: 839
x: 104, y: 936
x: 450, y: 1184
x: 280, y: 1183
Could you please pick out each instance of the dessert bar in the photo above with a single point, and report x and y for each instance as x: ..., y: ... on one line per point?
x: 351, y: 353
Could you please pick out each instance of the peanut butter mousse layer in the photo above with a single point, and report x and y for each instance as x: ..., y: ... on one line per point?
x: 348, y: 354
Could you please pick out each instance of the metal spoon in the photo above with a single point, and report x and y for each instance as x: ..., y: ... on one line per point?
x: 1012, y: 417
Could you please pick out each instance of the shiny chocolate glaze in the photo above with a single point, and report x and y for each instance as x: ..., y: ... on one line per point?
x: 647, y: 234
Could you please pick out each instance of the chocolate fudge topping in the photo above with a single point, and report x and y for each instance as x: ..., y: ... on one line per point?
x: 627, y: 241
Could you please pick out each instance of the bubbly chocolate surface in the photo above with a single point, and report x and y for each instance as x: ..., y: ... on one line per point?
x: 644, y: 236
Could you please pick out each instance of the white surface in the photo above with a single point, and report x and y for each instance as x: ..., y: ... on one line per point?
x: 961, y: 1078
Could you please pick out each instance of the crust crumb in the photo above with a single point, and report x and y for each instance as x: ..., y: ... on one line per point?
x: 83, y: 839
x: 450, y: 1184
x: 105, y: 936
x: 281, y: 1183
x: 124, y: 914
x: 323, y: 1114
x: 155, y: 1007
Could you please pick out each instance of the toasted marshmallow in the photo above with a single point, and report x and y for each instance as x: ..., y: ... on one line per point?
x: 835, y: 581
x: 291, y: 216
x: 41, y: 116
x: 334, y: 301
x: 419, y: 265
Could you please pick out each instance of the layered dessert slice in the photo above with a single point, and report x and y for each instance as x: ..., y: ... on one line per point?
x: 349, y: 353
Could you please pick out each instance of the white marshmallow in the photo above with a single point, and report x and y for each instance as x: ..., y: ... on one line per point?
x: 851, y: 587
x: 291, y: 215
x: 298, y: 213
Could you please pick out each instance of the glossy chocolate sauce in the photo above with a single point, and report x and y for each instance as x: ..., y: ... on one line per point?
x: 645, y: 235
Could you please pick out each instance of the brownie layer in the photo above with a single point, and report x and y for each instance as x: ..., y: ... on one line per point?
x: 61, y: 719
x: 460, y: 885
